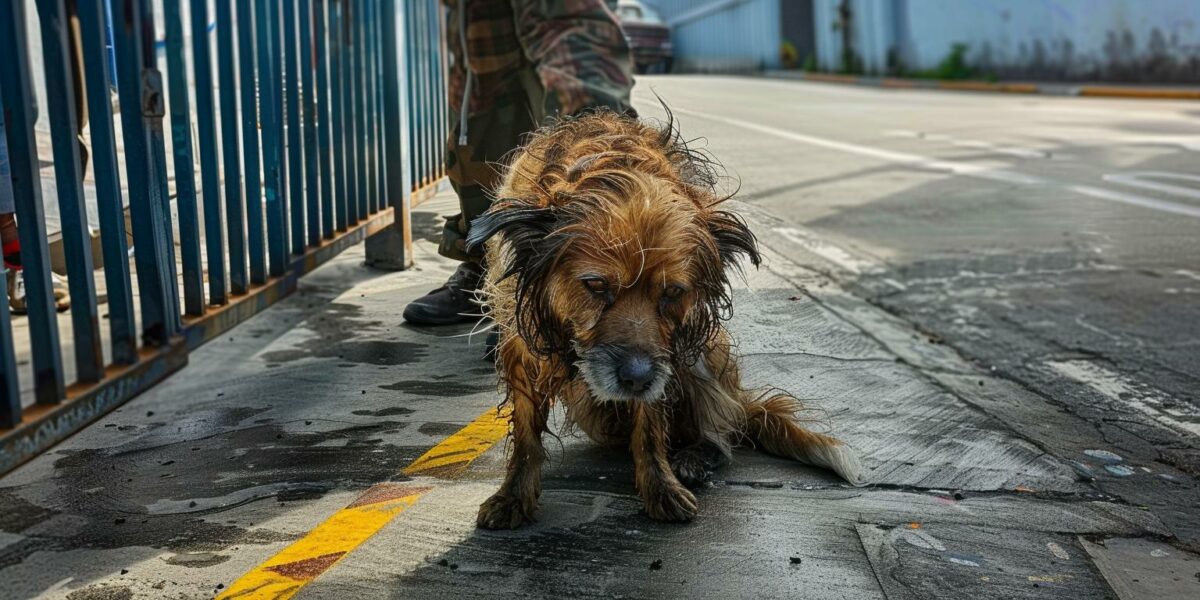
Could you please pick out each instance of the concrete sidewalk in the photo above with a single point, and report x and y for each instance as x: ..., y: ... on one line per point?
x: 282, y: 425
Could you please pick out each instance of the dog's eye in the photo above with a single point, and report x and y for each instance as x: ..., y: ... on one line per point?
x: 674, y: 292
x: 595, y: 285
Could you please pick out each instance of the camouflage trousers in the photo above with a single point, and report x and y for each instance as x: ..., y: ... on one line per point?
x: 474, y: 169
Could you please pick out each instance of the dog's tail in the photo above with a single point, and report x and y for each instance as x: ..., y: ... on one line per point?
x: 771, y: 423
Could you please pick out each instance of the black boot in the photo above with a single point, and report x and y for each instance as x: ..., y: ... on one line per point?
x: 452, y: 303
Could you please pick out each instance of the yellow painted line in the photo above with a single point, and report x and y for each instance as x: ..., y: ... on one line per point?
x: 451, y: 457
x: 284, y: 574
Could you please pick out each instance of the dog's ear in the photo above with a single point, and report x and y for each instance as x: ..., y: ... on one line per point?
x: 522, y: 226
x: 531, y: 234
x: 733, y: 237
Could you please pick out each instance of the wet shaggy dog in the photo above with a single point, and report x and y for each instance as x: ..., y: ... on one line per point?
x: 608, y: 255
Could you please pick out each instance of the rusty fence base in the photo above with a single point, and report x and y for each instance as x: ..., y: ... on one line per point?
x: 43, y: 426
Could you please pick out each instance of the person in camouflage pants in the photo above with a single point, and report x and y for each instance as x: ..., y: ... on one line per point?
x: 515, y: 65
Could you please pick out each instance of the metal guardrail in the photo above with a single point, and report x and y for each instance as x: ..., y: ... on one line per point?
x: 332, y: 114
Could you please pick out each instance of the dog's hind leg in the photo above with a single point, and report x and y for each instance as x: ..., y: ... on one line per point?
x: 663, y: 496
x: 771, y: 423
x: 517, y: 499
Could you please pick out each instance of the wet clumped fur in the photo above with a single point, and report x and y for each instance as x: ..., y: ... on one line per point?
x: 609, y: 257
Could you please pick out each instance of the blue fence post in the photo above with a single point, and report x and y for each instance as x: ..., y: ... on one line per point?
x: 312, y: 192
x: 396, y: 134
x: 250, y: 126
x: 185, y: 170
x: 295, y: 147
x: 10, y: 390
x: 231, y: 150
x: 61, y: 97
x: 93, y: 23
x: 363, y: 92
x: 349, y: 104
x: 210, y: 169
x: 17, y: 89
x: 324, y: 115
x: 375, y: 76
x: 140, y: 86
x: 280, y: 120
x: 337, y: 90
x: 264, y: 22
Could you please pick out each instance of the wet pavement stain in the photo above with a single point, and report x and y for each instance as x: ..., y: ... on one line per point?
x: 372, y: 352
x: 439, y: 429
x: 336, y: 328
x: 101, y: 592
x: 441, y: 389
x: 197, y: 560
x: 164, y: 495
x: 384, y: 412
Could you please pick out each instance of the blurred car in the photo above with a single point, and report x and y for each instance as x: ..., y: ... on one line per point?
x: 649, y: 37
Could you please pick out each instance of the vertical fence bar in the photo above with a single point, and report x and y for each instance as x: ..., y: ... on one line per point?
x: 428, y: 111
x: 312, y: 192
x: 443, y: 105
x: 360, y: 107
x: 250, y: 125
x: 281, y: 150
x: 140, y: 87
x: 10, y: 389
x: 265, y: 21
x: 373, y: 83
x: 185, y: 174
x: 368, y: 142
x: 295, y: 148
x: 397, y: 175
x: 337, y: 88
x: 418, y: 84
x: 62, y: 97
x: 17, y: 87
x: 109, y: 202
x: 210, y: 168
x: 349, y: 105
x: 377, y: 75
x: 231, y: 150
x: 324, y: 115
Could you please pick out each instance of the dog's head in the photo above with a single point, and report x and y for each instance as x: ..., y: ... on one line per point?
x: 623, y: 273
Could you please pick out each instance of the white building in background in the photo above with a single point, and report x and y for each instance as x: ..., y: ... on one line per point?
x: 1113, y: 40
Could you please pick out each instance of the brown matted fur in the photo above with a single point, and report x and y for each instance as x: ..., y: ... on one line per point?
x: 608, y: 255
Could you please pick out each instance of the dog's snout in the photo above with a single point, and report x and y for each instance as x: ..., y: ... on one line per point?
x: 636, y: 372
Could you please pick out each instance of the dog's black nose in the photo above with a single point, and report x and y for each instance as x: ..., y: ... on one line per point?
x: 636, y: 373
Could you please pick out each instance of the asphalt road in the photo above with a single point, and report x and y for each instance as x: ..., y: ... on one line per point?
x: 991, y: 298
x: 1043, y: 235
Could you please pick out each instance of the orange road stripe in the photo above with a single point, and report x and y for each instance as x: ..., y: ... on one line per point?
x: 284, y: 574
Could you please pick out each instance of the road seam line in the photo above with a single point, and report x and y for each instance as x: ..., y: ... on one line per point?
x: 289, y: 570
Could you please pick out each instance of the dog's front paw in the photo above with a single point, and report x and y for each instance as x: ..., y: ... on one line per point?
x: 505, y: 512
x: 671, y: 503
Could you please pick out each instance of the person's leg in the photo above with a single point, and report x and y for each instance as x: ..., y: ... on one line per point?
x: 506, y: 105
x: 75, y: 43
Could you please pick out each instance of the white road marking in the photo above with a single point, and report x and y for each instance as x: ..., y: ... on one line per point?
x: 1146, y: 180
x: 972, y: 144
x: 1135, y: 200
x: 951, y: 166
x: 1136, y: 395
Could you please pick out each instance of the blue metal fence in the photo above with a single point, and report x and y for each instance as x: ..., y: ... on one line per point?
x: 314, y: 122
